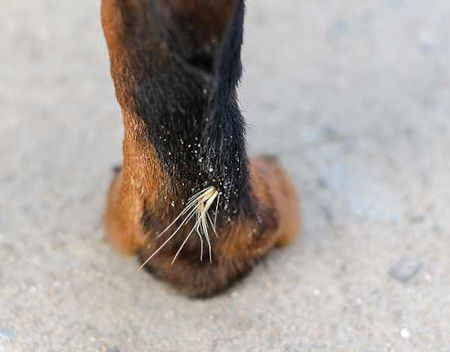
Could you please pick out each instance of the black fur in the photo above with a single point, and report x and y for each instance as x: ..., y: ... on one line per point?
x: 187, y: 97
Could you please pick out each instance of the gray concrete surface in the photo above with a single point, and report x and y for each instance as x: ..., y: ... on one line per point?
x: 353, y: 96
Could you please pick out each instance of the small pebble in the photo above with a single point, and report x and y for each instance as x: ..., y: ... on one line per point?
x: 113, y: 349
x: 417, y: 219
x: 405, y: 269
x: 405, y: 333
x: 427, y: 40
x: 5, y: 335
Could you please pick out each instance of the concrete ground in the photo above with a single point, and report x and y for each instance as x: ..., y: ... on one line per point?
x: 354, y: 96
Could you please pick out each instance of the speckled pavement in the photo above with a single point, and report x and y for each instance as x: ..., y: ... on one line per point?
x: 354, y: 96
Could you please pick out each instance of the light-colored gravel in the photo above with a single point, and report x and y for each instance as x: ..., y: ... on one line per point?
x: 354, y: 97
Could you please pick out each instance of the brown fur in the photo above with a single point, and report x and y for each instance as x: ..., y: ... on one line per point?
x: 238, y: 246
x: 139, y: 201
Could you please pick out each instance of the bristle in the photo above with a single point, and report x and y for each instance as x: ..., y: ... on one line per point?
x: 198, y: 205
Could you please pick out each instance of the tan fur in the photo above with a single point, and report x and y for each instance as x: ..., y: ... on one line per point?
x: 143, y: 187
